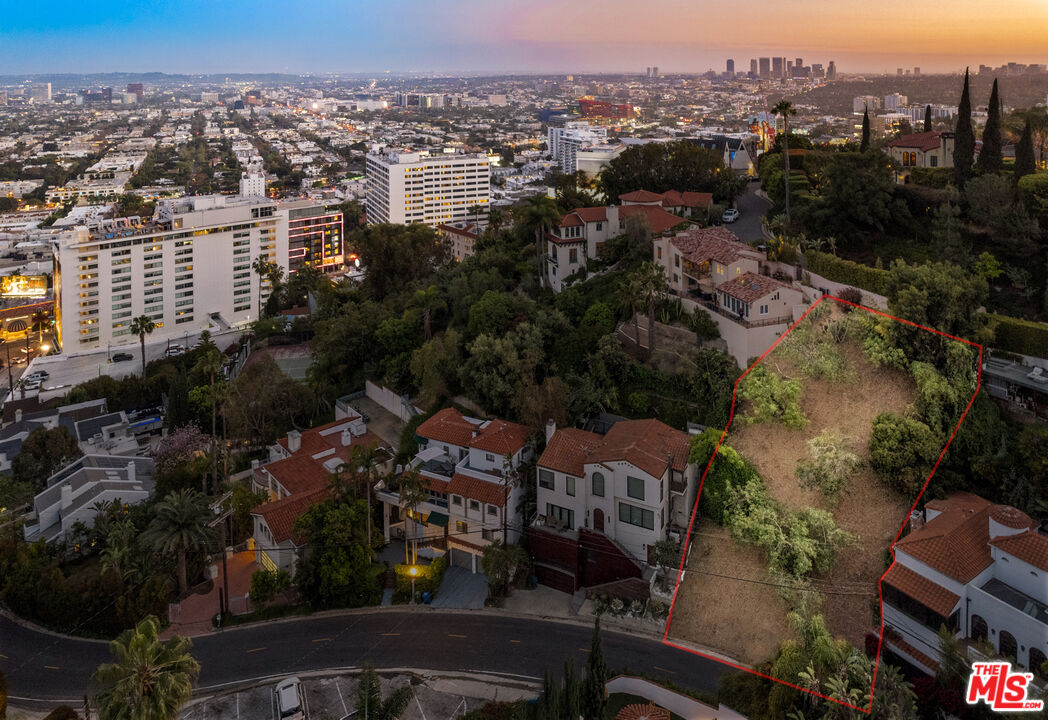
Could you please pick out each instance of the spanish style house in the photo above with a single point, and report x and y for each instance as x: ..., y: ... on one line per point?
x: 469, y: 467
x: 926, y: 150
x: 297, y: 477
x: 978, y: 568
x: 461, y: 236
x: 606, y: 500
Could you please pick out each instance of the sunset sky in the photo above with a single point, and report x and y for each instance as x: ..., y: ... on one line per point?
x: 514, y: 35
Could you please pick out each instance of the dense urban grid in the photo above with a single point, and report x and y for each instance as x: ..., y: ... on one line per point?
x: 605, y: 360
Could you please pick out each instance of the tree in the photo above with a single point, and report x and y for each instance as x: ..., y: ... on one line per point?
x: 990, y: 154
x: 397, y: 255
x: 948, y: 229
x: 44, y: 452
x: 178, y: 412
x: 370, y: 705
x: 262, y: 267
x: 594, y: 688
x: 337, y: 571
x: 435, y: 366
x: 651, y: 279
x: 364, y: 459
x: 864, y: 144
x: 630, y: 295
x: 537, y: 216
x: 927, y: 118
x: 1025, y: 162
x: 964, y: 138
x: 263, y: 402
x: 430, y: 300
x: 502, y: 564
x: 150, y: 679
x: 902, y: 451
x: 413, y: 490
x: 208, y: 365
x: 141, y: 326
x: 179, y: 526
x: 658, y: 167
x: 785, y: 109
x: 267, y: 584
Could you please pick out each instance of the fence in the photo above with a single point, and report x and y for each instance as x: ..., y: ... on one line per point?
x: 395, y: 403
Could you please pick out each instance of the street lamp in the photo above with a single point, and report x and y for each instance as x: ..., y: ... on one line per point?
x: 413, y: 572
x: 45, y: 348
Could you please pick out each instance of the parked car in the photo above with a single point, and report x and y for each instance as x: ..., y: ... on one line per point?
x: 730, y: 215
x: 122, y: 357
x: 287, y: 700
x: 174, y: 351
x: 38, y: 375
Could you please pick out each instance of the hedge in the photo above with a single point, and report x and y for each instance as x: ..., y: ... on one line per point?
x: 428, y: 579
x: 1020, y: 336
x: 848, y: 272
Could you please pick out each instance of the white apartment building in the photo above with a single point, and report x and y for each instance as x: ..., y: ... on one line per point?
x: 188, y: 268
x: 978, y: 568
x: 564, y: 142
x: 895, y: 102
x: 253, y: 184
x: 412, y: 187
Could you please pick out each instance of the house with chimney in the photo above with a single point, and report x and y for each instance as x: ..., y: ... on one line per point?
x: 470, y: 468
x: 976, y: 567
x: 297, y: 477
x: 605, y: 499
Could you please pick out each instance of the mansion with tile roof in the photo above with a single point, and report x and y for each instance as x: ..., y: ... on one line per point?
x: 632, y: 485
x: 978, y: 568
x: 469, y: 467
x: 297, y: 477
x: 925, y: 150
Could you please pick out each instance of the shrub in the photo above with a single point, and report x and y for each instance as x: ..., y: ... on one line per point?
x: 902, y: 451
x: 772, y: 398
x: 1019, y: 336
x: 829, y: 464
x: 834, y: 268
x: 62, y: 712
x: 851, y: 295
x: 266, y: 584
x: 427, y: 579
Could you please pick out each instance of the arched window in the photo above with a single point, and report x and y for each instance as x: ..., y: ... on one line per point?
x: 979, y: 630
x: 1008, y: 647
x: 598, y: 484
x: 1037, y: 659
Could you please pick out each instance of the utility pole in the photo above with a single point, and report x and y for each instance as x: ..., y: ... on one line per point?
x: 221, y: 516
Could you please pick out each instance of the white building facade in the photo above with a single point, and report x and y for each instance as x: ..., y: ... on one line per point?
x: 409, y: 187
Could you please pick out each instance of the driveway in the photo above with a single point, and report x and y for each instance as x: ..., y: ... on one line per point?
x: 461, y: 590
x: 751, y: 212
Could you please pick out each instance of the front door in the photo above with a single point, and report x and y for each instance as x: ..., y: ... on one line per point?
x: 598, y: 520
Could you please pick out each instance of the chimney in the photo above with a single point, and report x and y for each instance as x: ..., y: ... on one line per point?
x: 18, y: 414
x: 294, y: 441
x: 551, y: 427
x: 131, y: 471
x: 347, y: 437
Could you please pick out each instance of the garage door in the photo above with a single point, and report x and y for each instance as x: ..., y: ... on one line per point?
x: 462, y: 559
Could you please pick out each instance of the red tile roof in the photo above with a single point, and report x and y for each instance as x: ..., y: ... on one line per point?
x: 1028, y: 546
x: 448, y: 426
x: 501, y: 437
x: 641, y: 196
x: 467, y: 229
x: 645, y: 444
x: 302, y: 472
x: 280, y: 515
x: 495, y: 436
x: 670, y: 198
x: 699, y: 245
x: 592, y: 214
x: 658, y: 219
x: 749, y: 287
x: 1012, y: 517
x: 955, y: 542
x: 476, y: 489
x: 924, y: 141
x: 921, y: 589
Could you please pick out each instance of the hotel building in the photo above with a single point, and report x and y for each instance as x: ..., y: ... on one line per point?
x: 408, y: 187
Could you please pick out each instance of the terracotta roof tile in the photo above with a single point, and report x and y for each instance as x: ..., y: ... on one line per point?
x: 955, y: 542
x: 448, y: 426
x: 641, y: 196
x: 921, y: 589
x: 567, y: 449
x: 1012, y: 517
x: 658, y: 219
x: 477, y: 489
x: 501, y: 437
x: 303, y: 472
x: 924, y: 141
x: 592, y: 214
x: 699, y: 245
x: 280, y: 515
x: 749, y: 287
x: 1028, y: 546
x: 646, y: 444
x: 495, y: 436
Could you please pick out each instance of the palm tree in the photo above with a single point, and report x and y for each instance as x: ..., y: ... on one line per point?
x: 180, y: 525
x: 262, y: 267
x: 366, y: 458
x: 141, y: 326
x: 784, y: 108
x: 651, y: 280
x: 538, y: 214
x: 429, y: 300
x: 209, y: 364
x: 150, y: 680
x: 39, y: 319
x: 629, y: 296
x: 370, y: 705
x: 496, y: 219
x: 413, y: 492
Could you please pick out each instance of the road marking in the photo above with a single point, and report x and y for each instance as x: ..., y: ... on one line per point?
x: 255, y: 649
x: 52, y: 667
x: 584, y: 649
x: 662, y: 669
x: 515, y: 642
x: 390, y: 634
x: 322, y: 640
x: 4, y: 656
x: 454, y: 635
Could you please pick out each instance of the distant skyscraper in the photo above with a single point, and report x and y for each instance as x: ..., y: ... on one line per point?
x: 730, y: 67
x: 798, y: 63
x: 137, y: 89
x: 765, y: 65
x: 917, y: 72
x: 831, y: 71
x: 789, y: 68
x: 40, y: 93
x: 817, y: 70
x: 655, y: 71
x: 753, y: 67
x: 777, y: 67
x: 898, y: 71
x: 649, y: 71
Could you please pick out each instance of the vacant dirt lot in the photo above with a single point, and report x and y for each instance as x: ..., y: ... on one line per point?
x: 747, y: 620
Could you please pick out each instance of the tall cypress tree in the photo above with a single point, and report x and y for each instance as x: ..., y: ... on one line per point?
x: 927, y: 118
x: 865, y: 144
x: 964, y: 138
x: 1025, y: 163
x: 990, y: 155
x: 571, y: 695
x: 594, y: 690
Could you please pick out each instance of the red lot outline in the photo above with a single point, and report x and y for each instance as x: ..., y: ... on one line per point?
x: 880, y: 593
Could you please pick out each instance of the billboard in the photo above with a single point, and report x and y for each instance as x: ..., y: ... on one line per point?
x: 23, y: 286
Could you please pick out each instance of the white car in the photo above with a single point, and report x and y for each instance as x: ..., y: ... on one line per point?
x: 730, y: 215
x: 287, y: 700
x: 174, y: 351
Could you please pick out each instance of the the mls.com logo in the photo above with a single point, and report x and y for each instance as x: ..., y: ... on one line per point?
x: 995, y: 684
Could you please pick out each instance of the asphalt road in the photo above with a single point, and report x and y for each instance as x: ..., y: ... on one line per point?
x: 751, y: 211
x: 41, y: 666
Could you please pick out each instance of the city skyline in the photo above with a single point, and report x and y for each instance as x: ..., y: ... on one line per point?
x: 470, y: 36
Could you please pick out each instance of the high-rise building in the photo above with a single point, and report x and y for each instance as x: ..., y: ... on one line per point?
x: 648, y: 73
x: 898, y: 71
x: 777, y: 67
x: 917, y: 72
x: 406, y: 187
x: 817, y: 71
x: 895, y: 101
x: 730, y: 67
x: 564, y: 142
x: 188, y: 268
x: 253, y: 184
x: 40, y: 93
x: 654, y: 71
x: 798, y: 63
x: 753, y: 68
x: 789, y: 69
x: 137, y: 89
x: 421, y: 100
x: 831, y: 71
x: 861, y: 103
x: 765, y: 71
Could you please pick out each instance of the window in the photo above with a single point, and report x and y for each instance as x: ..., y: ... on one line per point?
x: 456, y: 500
x: 461, y: 527
x: 764, y: 309
x: 635, y: 488
x: 488, y: 535
x: 569, y: 485
x: 573, y: 256
x: 600, y: 226
x: 658, y: 252
x: 474, y: 505
x: 933, y: 161
x: 493, y: 510
x: 546, y: 479
x: 633, y: 515
x: 489, y: 457
x: 561, y: 515
x: 676, y: 260
x: 598, y: 484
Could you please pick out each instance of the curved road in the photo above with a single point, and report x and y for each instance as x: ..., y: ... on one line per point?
x: 45, y: 667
